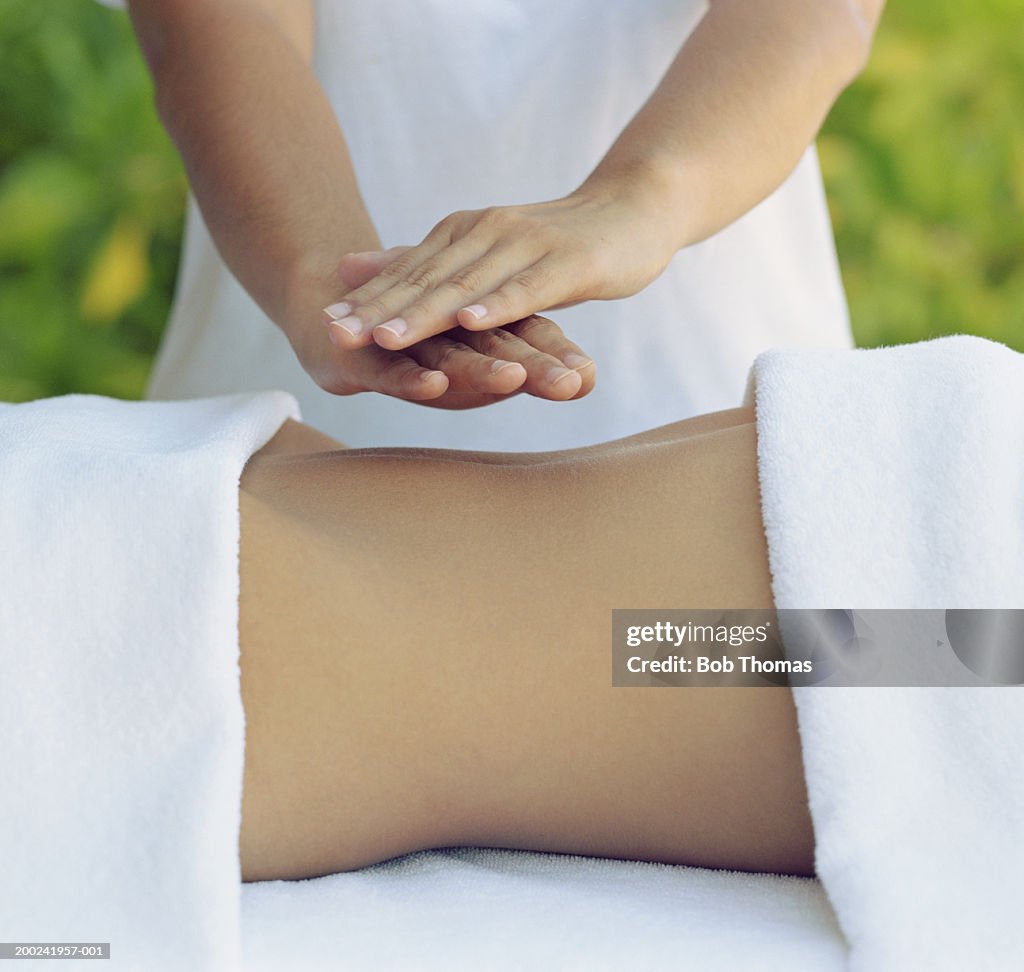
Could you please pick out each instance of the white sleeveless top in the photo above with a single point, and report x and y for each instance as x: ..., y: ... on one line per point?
x: 463, y: 104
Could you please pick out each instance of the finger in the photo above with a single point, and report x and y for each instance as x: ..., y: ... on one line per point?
x: 436, y: 310
x: 394, y: 374
x: 425, y: 300
x: 356, y: 269
x: 467, y: 369
x: 351, y: 315
x: 546, y: 376
x: 546, y: 336
x: 540, y: 286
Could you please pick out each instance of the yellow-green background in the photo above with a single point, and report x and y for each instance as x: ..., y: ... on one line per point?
x: 923, y: 159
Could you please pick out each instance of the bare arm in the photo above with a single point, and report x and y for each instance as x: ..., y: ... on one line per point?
x: 271, y: 171
x: 740, y: 103
x: 265, y: 156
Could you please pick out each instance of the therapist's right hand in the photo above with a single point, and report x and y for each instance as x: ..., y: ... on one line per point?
x: 458, y: 369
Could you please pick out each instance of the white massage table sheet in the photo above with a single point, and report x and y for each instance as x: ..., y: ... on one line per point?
x: 470, y: 908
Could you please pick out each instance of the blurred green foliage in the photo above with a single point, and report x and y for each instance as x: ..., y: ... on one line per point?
x: 923, y: 158
x: 91, y: 200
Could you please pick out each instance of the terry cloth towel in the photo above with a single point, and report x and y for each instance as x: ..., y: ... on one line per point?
x: 894, y: 478
x: 121, y: 721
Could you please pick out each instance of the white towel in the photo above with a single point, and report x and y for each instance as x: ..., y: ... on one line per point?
x: 121, y: 720
x: 894, y: 478
x: 471, y: 909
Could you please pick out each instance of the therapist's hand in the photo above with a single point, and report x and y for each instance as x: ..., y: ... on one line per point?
x: 487, y: 268
x: 458, y: 370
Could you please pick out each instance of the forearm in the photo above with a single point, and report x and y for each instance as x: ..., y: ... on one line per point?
x: 740, y: 103
x: 265, y: 156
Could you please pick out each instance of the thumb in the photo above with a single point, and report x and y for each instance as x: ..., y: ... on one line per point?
x: 355, y: 269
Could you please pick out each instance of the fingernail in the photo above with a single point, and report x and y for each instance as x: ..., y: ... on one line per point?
x: 427, y: 375
x: 477, y: 311
x: 500, y: 365
x: 555, y: 375
x: 576, y: 361
x: 337, y: 311
x: 353, y: 325
x: 396, y: 326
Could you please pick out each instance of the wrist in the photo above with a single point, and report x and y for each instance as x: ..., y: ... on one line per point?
x: 659, y: 189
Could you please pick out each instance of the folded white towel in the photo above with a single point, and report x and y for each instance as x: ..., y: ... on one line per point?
x: 121, y: 720
x: 894, y: 478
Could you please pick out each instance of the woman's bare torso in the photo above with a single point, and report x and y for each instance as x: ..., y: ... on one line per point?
x: 425, y: 654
